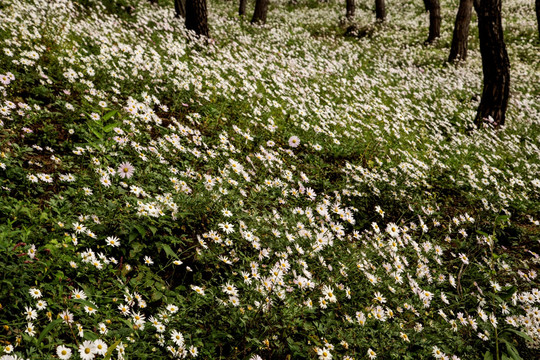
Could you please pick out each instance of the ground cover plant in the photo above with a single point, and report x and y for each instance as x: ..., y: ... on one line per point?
x: 275, y: 192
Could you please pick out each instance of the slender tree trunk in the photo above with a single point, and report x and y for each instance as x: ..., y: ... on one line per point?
x: 495, y: 64
x: 380, y: 10
x: 261, y: 10
x: 434, y: 8
x: 242, y: 8
x: 197, y: 17
x: 350, y: 9
x: 538, y: 15
x: 460, y: 38
x: 179, y: 8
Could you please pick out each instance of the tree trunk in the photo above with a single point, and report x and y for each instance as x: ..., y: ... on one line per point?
x: 197, y: 17
x: 495, y: 64
x: 434, y: 8
x: 538, y: 15
x: 179, y: 8
x: 261, y: 9
x: 380, y: 10
x: 350, y: 10
x: 460, y: 38
x: 242, y: 8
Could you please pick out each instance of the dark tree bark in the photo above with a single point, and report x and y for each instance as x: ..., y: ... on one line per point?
x: 179, y: 8
x: 495, y: 64
x: 460, y: 38
x: 434, y: 8
x: 538, y: 15
x: 350, y: 9
x: 242, y: 8
x: 197, y: 17
x: 261, y: 10
x: 380, y: 10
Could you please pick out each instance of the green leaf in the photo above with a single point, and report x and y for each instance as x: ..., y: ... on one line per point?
x: 169, y: 251
x: 88, y: 335
x: 512, y: 351
x: 137, y: 247
x: 519, y: 333
x: 109, y: 115
x: 95, y: 132
x: 48, y: 328
x: 507, y: 293
x: 488, y: 355
x: 60, y: 275
x: 111, y: 349
x: 140, y: 229
x: 503, y: 217
x: 129, y: 325
x: 157, y: 295
x: 110, y: 127
x: 514, y: 354
x: 85, y: 302
x: 153, y: 229
x: 133, y: 235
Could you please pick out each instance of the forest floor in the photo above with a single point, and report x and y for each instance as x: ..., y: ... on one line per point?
x: 274, y: 192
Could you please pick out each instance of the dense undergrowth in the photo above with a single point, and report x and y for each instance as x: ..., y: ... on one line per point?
x: 277, y: 192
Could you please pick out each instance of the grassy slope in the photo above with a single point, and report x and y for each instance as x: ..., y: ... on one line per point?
x: 382, y: 121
